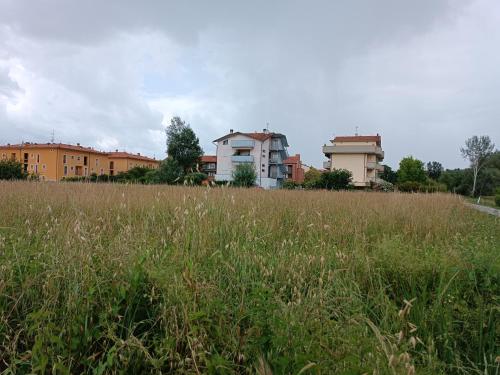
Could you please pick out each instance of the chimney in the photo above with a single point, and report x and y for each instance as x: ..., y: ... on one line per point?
x: 138, y: 154
x: 116, y: 150
x: 230, y: 131
x: 78, y: 144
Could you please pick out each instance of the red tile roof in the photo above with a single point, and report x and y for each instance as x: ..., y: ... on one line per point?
x: 63, y: 146
x: 292, y: 159
x: 208, y: 159
x: 358, y: 138
x: 258, y: 136
x: 127, y: 155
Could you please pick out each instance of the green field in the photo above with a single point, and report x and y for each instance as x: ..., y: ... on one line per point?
x: 102, y: 278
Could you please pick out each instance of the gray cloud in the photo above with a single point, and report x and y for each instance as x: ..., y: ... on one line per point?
x: 110, y: 74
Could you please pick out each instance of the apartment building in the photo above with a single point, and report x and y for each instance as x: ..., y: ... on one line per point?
x: 55, y: 161
x: 121, y: 161
x: 265, y: 150
x: 359, y: 154
x: 294, y: 170
x: 208, y: 165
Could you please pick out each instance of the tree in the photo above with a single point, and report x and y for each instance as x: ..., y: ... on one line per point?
x: 311, y: 178
x: 12, y: 170
x: 389, y: 175
x: 182, y: 144
x: 169, y: 172
x: 411, y: 170
x: 476, y: 150
x: 338, y: 179
x: 434, y: 169
x: 244, y: 175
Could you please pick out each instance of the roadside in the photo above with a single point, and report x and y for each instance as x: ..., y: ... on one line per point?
x: 488, y: 201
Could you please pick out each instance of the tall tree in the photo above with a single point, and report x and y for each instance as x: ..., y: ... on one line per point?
x: 182, y: 144
x: 434, y: 169
x: 411, y: 170
x: 476, y: 150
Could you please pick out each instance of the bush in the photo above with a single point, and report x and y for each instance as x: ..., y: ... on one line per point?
x: 244, y: 175
x: 497, y: 197
x: 339, y: 179
x: 169, y: 172
x: 384, y: 186
x: 195, y: 178
x: 409, y: 187
x: 290, y: 185
x: 12, y: 170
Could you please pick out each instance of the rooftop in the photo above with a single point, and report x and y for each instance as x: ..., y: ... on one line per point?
x: 359, y: 138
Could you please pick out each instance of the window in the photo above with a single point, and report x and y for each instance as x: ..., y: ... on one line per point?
x: 38, y: 158
x: 32, y: 156
x: 72, y: 168
x: 65, y: 169
x: 85, y: 160
x: 64, y: 159
x: 263, y: 170
x: 26, y: 156
x: 85, y: 171
x: 44, y: 166
x: 36, y: 168
x: 73, y: 157
x: 263, y: 165
x: 111, y: 165
x: 13, y: 156
x: 96, y: 162
x: 225, y: 142
x: 102, y: 171
x: 78, y: 158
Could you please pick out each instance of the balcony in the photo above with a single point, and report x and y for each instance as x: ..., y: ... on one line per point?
x: 243, y: 144
x: 353, y: 149
x: 276, y: 159
x: 276, y: 145
x: 242, y: 159
x: 327, y: 165
x: 277, y: 174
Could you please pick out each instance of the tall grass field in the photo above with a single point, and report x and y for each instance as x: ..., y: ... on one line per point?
x: 128, y: 279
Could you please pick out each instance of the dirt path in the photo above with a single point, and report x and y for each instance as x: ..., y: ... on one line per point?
x: 488, y: 210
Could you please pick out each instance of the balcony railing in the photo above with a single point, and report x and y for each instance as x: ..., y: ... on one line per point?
x: 353, y: 149
x: 242, y: 159
x: 276, y: 159
x: 327, y: 164
x: 242, y: 143
x: 276, y: 174
x: 276, y: 145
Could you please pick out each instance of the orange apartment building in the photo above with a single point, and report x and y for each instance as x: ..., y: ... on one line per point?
x: 55, y: 161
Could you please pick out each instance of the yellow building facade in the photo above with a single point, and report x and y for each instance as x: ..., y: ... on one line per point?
x: 56, y: 161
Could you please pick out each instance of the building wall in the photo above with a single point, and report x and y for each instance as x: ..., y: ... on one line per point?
x: 55, y: 163
x: 225, y: 165
x: 356, y: 163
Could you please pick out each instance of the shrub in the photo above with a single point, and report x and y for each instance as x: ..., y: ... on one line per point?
x: 339, y: 179
x: 244, y: 175
x: 195, y: 178
x: 384, y: 186
x: 409, y: 187
x: 169, y: 172
x: 290, y: 185
x: 497, y: 197
x: 12, y: 170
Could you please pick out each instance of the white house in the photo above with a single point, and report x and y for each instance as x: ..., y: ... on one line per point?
x: 266, y: 151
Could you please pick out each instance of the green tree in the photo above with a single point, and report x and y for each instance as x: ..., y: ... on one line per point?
x: 338, y: 179
x: 244, y: 175
x: 12, y: 170
x: 182, y: 144
x: 311, y: 178
x: 476, y: 150
x: 434, y: 169
x: 411, y: 170
x: 389, y: 175
x: 169, y: 172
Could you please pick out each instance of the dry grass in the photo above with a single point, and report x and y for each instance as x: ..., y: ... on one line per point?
x: 129, y: 279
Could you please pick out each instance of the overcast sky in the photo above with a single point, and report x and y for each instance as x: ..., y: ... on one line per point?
x: 110, y: 74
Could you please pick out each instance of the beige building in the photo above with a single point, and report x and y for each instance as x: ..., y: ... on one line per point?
x: 359, y: 154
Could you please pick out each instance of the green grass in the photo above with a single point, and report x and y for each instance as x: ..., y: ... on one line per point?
x: 156, y: 279
x: 488, y: 201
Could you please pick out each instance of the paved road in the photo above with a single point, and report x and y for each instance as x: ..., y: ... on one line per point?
x: 488, y: 210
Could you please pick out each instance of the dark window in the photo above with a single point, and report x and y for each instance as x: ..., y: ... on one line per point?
x: 225, y: 142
